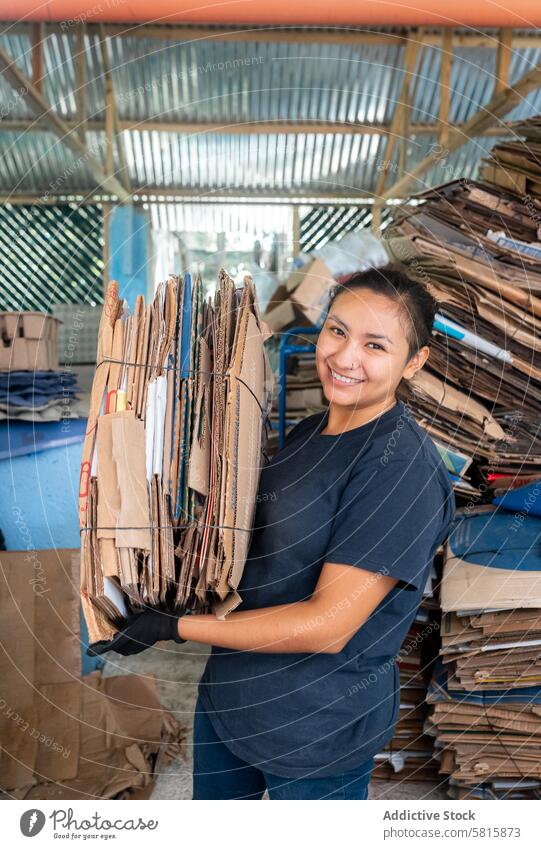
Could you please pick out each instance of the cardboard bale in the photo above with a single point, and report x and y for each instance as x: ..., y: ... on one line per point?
x: 174, y: 452
x: 409, y: 755
x: 29, y: 341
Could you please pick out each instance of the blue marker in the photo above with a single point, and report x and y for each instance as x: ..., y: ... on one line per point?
x: 449, y: 328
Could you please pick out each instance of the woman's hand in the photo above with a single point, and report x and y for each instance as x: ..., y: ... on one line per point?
x: 140, y: 632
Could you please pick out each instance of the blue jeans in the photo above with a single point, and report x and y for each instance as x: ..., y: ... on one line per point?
x: 219, y: 774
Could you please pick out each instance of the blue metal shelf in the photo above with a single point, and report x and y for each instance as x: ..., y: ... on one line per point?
x: 288, y: 349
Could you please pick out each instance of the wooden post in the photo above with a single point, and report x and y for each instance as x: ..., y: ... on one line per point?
x: 106, y: 218
x: 445, y: 84
x: 38, y: 70
x: 503, y: 59
x: 296, y: 231
x: 80, y: 81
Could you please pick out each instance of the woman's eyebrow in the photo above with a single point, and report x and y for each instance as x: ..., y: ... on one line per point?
x: 339, y: 320
x: 379, y: 336
x: 368, y: 335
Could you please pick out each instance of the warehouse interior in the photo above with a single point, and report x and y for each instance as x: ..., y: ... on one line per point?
x: 296, y: 154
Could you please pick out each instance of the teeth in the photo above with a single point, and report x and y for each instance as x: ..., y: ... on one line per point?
x: 343, y: 379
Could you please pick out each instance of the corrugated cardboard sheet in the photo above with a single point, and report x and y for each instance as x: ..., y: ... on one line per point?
x: 63, y: 736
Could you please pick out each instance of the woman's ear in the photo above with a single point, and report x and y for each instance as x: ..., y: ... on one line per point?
x: 416, y: 362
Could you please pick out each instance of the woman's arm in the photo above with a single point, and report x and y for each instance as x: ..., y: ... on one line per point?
x: 344, y: 598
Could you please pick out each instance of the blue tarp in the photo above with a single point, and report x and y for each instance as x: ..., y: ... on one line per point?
x: 524, y: 499
x: 498, y: 540
x: 18, y: 438
x: 36, y: 388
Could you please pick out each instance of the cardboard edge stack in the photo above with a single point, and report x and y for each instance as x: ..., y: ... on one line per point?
x: 409, y: 755
x: 486, y: 690
x: 172, y: 454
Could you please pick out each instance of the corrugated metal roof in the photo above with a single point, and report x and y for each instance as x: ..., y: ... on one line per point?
x: 248, y: 81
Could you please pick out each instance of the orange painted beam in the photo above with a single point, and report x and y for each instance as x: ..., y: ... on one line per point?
x: 322, y: 13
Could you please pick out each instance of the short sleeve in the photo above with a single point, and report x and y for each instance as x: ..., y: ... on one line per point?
x: 390, y: 519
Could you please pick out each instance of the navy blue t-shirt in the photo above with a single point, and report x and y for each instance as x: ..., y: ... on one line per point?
x: 377, y: 497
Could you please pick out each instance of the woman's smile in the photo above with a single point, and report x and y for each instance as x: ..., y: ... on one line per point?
x: 342, y: 380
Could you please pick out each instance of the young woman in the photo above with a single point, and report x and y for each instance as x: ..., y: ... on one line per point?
x: 301, y: 689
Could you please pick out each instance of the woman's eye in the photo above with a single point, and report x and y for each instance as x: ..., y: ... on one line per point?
x: 338, y: 330
x: 378, y: 347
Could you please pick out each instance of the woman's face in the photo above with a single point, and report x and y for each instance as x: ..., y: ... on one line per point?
x: 363, y: 350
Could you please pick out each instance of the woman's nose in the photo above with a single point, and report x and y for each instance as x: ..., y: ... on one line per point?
x: 348, y: 358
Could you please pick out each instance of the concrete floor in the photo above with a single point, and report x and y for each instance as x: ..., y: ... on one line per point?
x: 177, y: 671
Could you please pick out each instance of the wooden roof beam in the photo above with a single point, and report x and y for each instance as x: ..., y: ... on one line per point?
x: 258, y: 127
x: 500, y: 104
x: 397, y: 125
x: 42, y: 111
x: 113, y: 132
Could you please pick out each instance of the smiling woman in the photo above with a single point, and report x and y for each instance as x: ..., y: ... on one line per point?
x: 301, y: 688
x: 376, y: 334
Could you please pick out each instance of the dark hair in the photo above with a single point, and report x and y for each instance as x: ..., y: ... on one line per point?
x: 414, y: 299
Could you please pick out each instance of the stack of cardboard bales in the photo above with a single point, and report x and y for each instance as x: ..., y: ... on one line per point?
x: 476, y: 246
x: 31, y: 386
x: 29, y: 341
x: 303, y: 297
x: 486, y: 693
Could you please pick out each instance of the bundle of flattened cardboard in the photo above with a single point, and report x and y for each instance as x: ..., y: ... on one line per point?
x: 486, y: 694
x: 173, y: 450
x: 476, y: 247
x: 29, y: 341
x: 63, y: 736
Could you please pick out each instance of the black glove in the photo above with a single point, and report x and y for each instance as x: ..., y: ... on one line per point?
x: 140, y: 631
